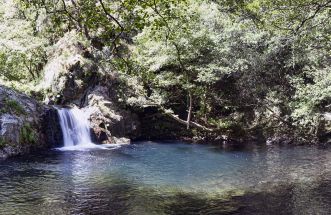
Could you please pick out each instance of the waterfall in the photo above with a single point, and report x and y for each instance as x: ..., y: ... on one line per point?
x: 75, y: 128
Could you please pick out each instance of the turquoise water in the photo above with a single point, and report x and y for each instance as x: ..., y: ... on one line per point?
x: 169, y: 178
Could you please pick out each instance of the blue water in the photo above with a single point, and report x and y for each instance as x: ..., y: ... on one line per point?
x: 169, y: 178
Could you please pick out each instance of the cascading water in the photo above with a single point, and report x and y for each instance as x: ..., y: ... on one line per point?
x: 75, y: 128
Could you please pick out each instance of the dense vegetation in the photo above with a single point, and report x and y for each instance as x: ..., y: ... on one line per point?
x: 244, y: 68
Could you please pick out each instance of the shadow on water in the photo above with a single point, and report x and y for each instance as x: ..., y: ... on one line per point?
x: 285, y: 199
x: 178, y: 179
x: 125, y: 199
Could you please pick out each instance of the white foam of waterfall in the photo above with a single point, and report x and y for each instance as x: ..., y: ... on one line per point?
x: 75, y: 128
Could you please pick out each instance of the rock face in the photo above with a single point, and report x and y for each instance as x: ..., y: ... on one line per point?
x: 68, y: 73
x: 74, y: 77
x: 51, y: 127
x: 20, y: 118
x: 109, y: 123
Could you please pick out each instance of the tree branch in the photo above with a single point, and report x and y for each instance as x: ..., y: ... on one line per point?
x: 112, y: 18
x: 318, y: 9
x: 183, y: 122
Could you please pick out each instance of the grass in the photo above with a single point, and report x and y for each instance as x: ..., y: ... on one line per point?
x: 28, y: 134
x: 12, y: 106
x: 2, y: 143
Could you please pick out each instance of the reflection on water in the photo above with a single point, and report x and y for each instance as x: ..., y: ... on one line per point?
x: 152, y: 178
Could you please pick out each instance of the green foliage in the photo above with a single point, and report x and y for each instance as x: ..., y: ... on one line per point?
x: 194, y: 53
x: 2, y: 143
x: 271, y: 52
x: 104, y: 21
x: 12, y: 106
x: 183, y: 48
x: 28, y: 135
x: 221, y: 123
x: 290, y: 17
x: 22, y: 51
x: 251, y: 63
x: 312, y: 99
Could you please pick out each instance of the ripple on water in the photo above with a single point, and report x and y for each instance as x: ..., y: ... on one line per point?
x: 152, y: 178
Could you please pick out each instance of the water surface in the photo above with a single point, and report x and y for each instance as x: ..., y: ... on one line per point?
x: 169, y: 178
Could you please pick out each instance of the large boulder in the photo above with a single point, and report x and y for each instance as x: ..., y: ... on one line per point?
x: 110, y: 124
x: 20, y: 118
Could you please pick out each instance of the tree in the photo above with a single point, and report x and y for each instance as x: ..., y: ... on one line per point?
x: 190, y: 51
x: 22, y: 52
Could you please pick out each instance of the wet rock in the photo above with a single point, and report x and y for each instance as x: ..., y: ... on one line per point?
x: 52, y: 128
x: 282, y: 140
x: 122, y: 140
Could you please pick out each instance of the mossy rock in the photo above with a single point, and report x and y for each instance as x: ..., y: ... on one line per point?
x: 28, y: 135
x: 3, y: 143
x: 12, y: 106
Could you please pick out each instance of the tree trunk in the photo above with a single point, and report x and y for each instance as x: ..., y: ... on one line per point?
x: 184, y: 122
x: 28, y: 67
x: 205, y: 105
x: 189, y: 114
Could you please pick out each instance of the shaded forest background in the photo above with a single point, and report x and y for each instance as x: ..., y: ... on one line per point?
x: 217, y: 67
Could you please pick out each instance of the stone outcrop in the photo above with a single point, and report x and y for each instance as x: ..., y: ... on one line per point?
x: 20, y: 123
x: 51, y: 127
x: 68, y: 74
x: 110, y: 124
x: 74, y: 77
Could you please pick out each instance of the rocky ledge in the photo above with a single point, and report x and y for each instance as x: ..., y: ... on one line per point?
x: 20, y: 123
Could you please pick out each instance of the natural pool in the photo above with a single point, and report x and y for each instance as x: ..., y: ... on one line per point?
x: 169, y: 178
